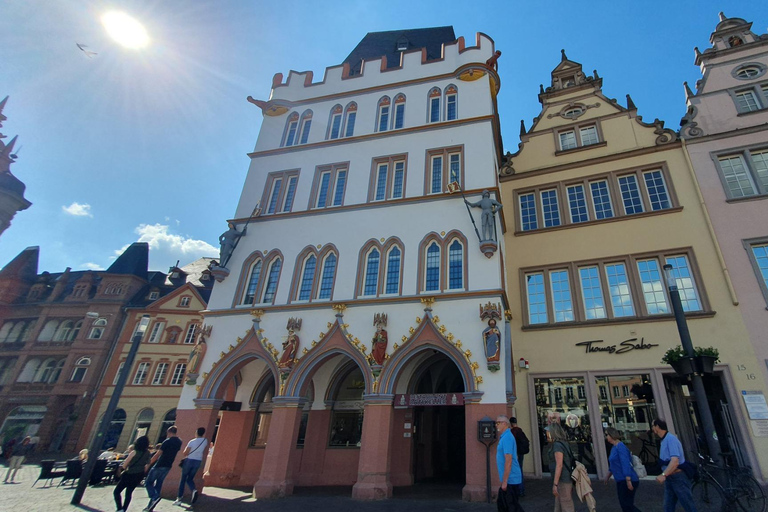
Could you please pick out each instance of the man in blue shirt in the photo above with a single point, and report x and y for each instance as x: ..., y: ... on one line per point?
x: 676, y: 483
x: 510, y: 474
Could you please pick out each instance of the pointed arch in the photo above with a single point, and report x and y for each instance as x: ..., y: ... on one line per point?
x: 382, y: 114
x: 456, y: 268
x: 304, y: 126
x: 350, y: 114
x: 398, y: 112
x: 335, y: 121
x: 392, y: 265
x: 290, y: 133
x: 259, y: 278
x: 433, y: 105
x: 249, y: 279
x: 451, y: 102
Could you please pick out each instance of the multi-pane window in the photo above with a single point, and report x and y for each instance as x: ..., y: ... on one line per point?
x: 549, y: 208
x: 607, y: 290
x: 582, y: 393
x: 625, y: 390
x: 118, y: 373
x: 371, y: 273
x: 157, y: 332
x: 444, y: 167
x: 292, y: 126
x: 178, y: 374
x: 280, y: 191
x: 184, y: 302
x: 745, y: 174
x: 747, y: 101
x: 380, y: 269
x: 327, y: 277
x: 433, y: 115
x: 314, y: 269
x: 657, y: 190
x: 750, y: 98
x: 330, y: 183
x: 528, y: 212
x: 160, y: 372
x: 432, y: 281
x: 760, y: 254
x: 253, y: 282
x: 601, y: 199
x: 306, y: 123
x: 442, y: 263
x: 398, y: 113
x: 393, y: 271
x: 603, y: 393
x: 141, y: 374
x: 334, y: 130
x: 78, y: 373
x: 616, y: 392
x: 578, y: 137
x: 577, y: 203
x: 189, y: 338
x: 307, y: 278
x: 455, y: 266
x: 388, y: 179
x: 451, y: 104
x: 272, y: 278
x: 558, y: 394
x: 382, y: 123
x: 569, y: 393
x: 630, y: 194
x: 349, y: 121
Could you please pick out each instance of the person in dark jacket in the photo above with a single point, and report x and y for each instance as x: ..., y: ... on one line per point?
x: 133, y: 472
x: 620, y: 463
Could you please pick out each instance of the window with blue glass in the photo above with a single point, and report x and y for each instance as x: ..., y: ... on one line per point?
x: 381, y: 182
x: 253, y: 283
x: 577, y: 203
x: 537, y: 300
x: 393, y: 271
x: 432, y: 280
x: 388, y: 178
x: 335, y: 124
x: 433, y: 115
x: 273, y: 276
x: 562, y: 303
x: 307, y: 278
x: 444, y: 166
x: 657, y: 190
x: 549, y: 208
x: 306, y: 124
x: 528, y: 219
x: 382, y: 123
x: 437, y: 175
x: 291, y: 127
x: 619, y: 290
x: 601, y: 199
x: 280, y: 191
x: 592, y: 293
x: 455, y: 266
x: 330, y: 185
x: 327, y: 277
x: 371, y: 282
x: 652, y: 286
x: 398, y: 120
x: 681, y: 271
x: 630, y: 194
x: 350, y: 113
x: 451, y: 103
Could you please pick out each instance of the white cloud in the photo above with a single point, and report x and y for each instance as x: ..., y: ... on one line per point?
x: 91, y: 266
x: 78, y: 210
x: 166, y: 247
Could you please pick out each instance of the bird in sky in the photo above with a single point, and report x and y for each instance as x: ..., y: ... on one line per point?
x: 88, y: 53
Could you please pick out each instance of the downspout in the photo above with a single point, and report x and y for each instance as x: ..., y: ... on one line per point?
x: 723, y: 267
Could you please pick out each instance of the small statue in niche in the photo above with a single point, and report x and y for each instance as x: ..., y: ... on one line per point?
x: 196, y: 356
x: 491, y: 335
x: 228, y: 239
x: 291, y: 344
x: 380, y: 339
x: 489, y: 207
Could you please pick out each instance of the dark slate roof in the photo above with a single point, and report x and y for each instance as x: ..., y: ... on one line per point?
x: 159, y: 281
x: 134, y: 261
x: 12, y: 184
x: 194, y: 270
x: 377, y: 44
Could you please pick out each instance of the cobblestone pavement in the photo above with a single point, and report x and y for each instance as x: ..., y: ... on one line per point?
x: 22, y: 497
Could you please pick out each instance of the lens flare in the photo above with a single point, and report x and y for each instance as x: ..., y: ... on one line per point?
x: 125, y: 30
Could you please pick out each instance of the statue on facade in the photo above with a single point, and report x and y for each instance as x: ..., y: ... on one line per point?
x: 228, y: 239
x: 379, y: 344
x: 492, y: 62
x: 196, y: 356
x: 489, y: 207
x: 290, y: 345
x: 491, y: 334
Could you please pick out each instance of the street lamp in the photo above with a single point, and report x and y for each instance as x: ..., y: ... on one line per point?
x: 98, y: 439
x: 707, y: 425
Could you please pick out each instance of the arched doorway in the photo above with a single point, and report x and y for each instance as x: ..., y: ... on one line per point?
x: 115, y: 429
x: 439, y: 437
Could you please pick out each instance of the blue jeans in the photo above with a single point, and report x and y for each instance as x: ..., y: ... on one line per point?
x: 188, y: 472
x: 678, y: 487
x: 154, y: 483
x: 627, y: 497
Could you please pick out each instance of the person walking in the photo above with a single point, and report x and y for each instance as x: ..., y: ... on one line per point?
x: 193, y: 458
x: 133, y: 471
x: 163, y: 461
x: 523, y: 447
x: 17, y: 456
x: 510, y: 475
x: 560, y: 463
x: 620, y: 464
x: 677, y: 486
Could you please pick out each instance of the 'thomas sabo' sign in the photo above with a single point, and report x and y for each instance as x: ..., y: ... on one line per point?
x: 622, y: 348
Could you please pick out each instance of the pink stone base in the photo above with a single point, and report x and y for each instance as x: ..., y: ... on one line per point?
x: 372, y: 491
x: 475, y: 493
x: 270, y: 489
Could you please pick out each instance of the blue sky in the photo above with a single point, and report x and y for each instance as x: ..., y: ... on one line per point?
x: 151, y: 144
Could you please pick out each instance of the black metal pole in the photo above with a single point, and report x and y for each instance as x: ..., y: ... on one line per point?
x: 488, y: 473
x: 707, y: 424
x: 98, y: 439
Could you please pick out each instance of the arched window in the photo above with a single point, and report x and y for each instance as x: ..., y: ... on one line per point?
x: 347, y: 415
x: 75, y: 331
x: 371, y: 282
x: 273, y: 275
x: 21, y: 331
x: 433, y: 105
x: 291, y: 128
x: 169, y: 420
x: 97, y: 329
x: 115, y: 429
x: 455, y: 265
x: 398, y: 114
x: 382, y: 117
x: 81, y: 368
x: 64, y: 330
x: 48, y: 330
x: 57, y: 371
x: 334, y: 123
x: 432, y: 274
x: 307, y: 278
x: 393, y: 271
x: 350, y: 113
x: 45, y: 371
x: 304, y: 126
x: 5, y: 332
x: 30, y: 370
x: 451, y: 103
x: 143, y: 423
x: 327, y: 277
x: 253, y: 282
x: 261, y: 402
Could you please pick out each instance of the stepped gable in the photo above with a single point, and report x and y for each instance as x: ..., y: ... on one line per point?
x: 377, y: 71
x: 133, y: 261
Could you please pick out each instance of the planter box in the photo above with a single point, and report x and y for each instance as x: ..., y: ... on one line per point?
x: 684, y: 366
x: 706, y: 364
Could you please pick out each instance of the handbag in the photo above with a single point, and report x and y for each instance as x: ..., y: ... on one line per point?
x: 181, y: 462
x: 638, y: 466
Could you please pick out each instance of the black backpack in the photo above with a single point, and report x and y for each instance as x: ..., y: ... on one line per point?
x: 523, y: 444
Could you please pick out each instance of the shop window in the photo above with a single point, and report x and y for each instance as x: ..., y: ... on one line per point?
x: 116, y: 426
x: 347, y: 414
x: 143, y: 423
x: 169, y: 420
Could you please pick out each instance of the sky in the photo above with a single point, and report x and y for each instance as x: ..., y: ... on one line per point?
x: 151, y: 144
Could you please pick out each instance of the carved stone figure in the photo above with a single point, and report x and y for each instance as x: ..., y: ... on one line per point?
x: 489, y: 207
x: 491, y: 63
x: 290, y: 349
x: 379, y: 346
x: 492, y: 341
x: 227, y: 241
x: 196, y: 357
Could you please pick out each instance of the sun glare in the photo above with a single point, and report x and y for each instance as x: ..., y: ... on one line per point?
x: 125, y: 30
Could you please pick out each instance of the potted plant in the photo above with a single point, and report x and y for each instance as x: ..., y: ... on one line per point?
x: 706, y: 358
x: 677, y: 359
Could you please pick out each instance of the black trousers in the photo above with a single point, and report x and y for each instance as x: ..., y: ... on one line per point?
x: 128, y: 482
x: 507, y: 501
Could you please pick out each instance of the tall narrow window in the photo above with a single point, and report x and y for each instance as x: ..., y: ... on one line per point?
x: 383, y: 121
x: 141, y: 374
x: 290, y: 130
x: 393, y: 271
x: 562, y: 304
x: 437, y: 175
x: 567, y: 140
x: 279, y: 191
x: 618, y: 287
x: 157, y: 332
x: 737, y: 178
x: 601, y: 199
x: 653, y: 287
x: 329, y: 186
x: 760, y: 253
x: 451, y: 107
x: 432, y: 282
x: 630, y: 194
x: 381, y: 182
x: 274, y: 196
x: 307, y: 278
x: 160, y: 372
x: 434, y: 105
x: 681, y: 271
x: 455, y: 266
x: 349, y: 122
x: 253, y: 283
x: 592, y: 293
x: 271, y: 288
x: 371, y: 273
x: 327, y: 277
x: 455, y: 163
x: 399, y: 112
x: 537, y: 300
x: 290, y: 193
x: 657, y: 190
x: 577, y: 203
x: 325, y: 183
x: 528, y: 212
x: 189, y: 338
x: 338, y: 189
x: 747, y: 101
x: 306, y: 123
x: 335, y: 124
x: 588, y: 135
x: 178, y: 374
x: 549, y: 208
x: 397, y: 184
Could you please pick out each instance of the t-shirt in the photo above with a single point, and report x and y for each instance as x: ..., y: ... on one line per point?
x: 196, y: 448
x: 670, y: 447
x: 170, y: 448
x: 565, y: 474
x: 508, y: 446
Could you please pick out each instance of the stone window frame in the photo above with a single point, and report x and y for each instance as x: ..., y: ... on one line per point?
x: 383, y: 125
x: 758, y: 89
x: 278, y: 182
x: 164, y: 375
x: 399, y: 100
x: 759, y: 65
x: 80, y: 369
x: 267, y: 261
x: 451, y: 91
x: 384, y: 249
x: 435, y: 93
x: 334, y: 170
x: 445, y: 153
x: 748, y: 244
x: 630, y: 262
x: 444, y: 243
x: 576, y: 129
x: 390, y: 161
x: 745, y: 152
x: 179, y: 371
x: 337, y: 112
x: 321, y: 257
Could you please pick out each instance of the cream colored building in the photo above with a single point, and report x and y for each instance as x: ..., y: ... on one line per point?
x: 596, y: 202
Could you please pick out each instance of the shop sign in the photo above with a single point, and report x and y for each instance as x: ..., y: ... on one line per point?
x: 625, y: 346
x: 756, y: 405
x: 428, y: 400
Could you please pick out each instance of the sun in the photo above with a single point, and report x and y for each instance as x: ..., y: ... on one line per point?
x: 125, y: 30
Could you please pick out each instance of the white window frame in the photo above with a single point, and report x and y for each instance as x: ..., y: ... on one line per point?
x: 575, y: 135
x: 752, y: 170
x: 177, y: 379
x: 161, y: 371
x: 142, y: 370
x: 189, y: 336
x: 157, y: 332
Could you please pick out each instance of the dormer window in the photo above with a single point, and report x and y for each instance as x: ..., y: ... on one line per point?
x: 402, y: 45
x: 154, y: 295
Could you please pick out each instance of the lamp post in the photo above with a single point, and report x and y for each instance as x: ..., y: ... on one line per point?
x: 98, y: 439
x: 707, y: 425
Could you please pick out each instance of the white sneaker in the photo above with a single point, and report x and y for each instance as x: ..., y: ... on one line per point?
x: 177, y: 502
